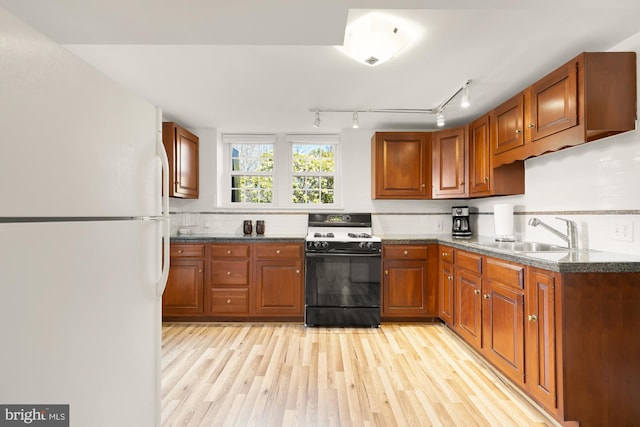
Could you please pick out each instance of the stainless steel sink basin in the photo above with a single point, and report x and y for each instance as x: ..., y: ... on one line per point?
x: 525, y: 246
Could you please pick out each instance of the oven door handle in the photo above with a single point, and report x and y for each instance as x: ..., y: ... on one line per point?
x: 340, y: 254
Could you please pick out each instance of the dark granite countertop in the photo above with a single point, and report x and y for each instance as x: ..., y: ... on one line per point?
x: 569, y: 261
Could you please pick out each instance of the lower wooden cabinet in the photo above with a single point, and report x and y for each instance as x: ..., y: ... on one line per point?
x: 184, y: 293
x: 468, y: 307
x: 446, y: 288
x: 235, y: 281
x: 409, y: 281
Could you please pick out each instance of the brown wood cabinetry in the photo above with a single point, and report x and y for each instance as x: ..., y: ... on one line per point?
x: 183, y: 153
x: 590, y: 97
x: 449, y: 163
x: 468, y: 299
x: 229, y: 280
x: 184, y: 293
x: 409, y: 281
x: 279, y: 280
x: 503, y: 317
x: 540, y: 356
x: 401, y: 165
x: 446, y: 284
x: 233, y: 281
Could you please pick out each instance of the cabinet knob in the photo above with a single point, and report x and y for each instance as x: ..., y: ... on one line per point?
x: 531, y: 125
x: 386, y: 272
x: 450, y: 277
x: 485, y: 179
x: 518, y: 132
x: 228, y: 273
x: 277, y: 251
x: 229, y: 252
x: 200, y: 271
x: 424, y: 185
x: 406, y: 253
x: 476, y: 291
x: 297, y: 271
x: 444, y: 254
x: 533, y: 318
x: 486, y: 296
x: 179, y: 251
x: 229, y: 301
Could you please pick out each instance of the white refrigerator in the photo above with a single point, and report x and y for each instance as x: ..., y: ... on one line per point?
x: 83, y: 237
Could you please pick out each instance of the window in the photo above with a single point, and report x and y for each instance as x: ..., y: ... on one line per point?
x: 313, y: 175
x: 280, y: 171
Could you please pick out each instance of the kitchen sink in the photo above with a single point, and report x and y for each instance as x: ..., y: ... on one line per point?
x: 525, y: 246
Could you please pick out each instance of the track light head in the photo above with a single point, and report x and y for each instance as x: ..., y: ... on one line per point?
x: 355, y: 123
x: 316, y: 122
x: 465, y: 102
x: 440, y: 118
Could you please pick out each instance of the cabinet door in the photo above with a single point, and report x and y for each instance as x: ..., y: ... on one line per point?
x: 278, y: 288
x: 541, y: 337
x: 404, y: 288
x: 479, y: 157
x: 445, y: 294
x: 401, y: 165
x: 468, y: 313
x: 503, y: 329
x: 553, y: 103
x: 183, y: 152
x: 449, y: 163
x: 185, y: 285
x: 507, y: 122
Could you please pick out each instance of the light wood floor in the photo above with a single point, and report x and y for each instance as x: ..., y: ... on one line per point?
x: 283, y: 374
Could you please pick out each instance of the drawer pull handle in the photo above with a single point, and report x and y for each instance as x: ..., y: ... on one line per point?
x: 277, y: 251
x: 229, y: 301
x: 228, y: 252
x: 486, y: 296
x: 228, y: 273
x: 406, y: 253
x: 179, y: 251
x: 533, y: 318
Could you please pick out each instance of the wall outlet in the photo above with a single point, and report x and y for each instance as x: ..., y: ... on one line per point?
x: 439, y: 226
x: 622, y: 230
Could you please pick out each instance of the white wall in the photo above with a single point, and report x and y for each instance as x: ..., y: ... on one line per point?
x: 597, y: 185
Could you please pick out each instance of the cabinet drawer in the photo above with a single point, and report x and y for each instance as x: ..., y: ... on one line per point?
x: 229, y: 251
x: 447, y: 254
x: 225, y: 272
x: 469, y: 261
x: 505, y: 273
x: 276, y: 251
x: 229, y: 301
x: 404, y: 252
x: 194, y: 251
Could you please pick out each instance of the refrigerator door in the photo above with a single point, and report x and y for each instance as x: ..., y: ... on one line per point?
x: 80, y: 320
x: 75, y: 143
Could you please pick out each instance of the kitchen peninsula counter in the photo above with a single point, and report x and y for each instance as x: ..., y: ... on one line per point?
x: 569, y: 261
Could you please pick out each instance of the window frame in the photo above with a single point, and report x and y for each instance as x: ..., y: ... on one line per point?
x: 282, y: 174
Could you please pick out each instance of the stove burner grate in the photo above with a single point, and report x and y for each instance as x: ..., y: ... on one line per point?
x: 323, y: 235
x: 359, y: 235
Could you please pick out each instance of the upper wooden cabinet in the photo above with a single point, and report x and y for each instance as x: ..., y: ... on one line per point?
x: 590, y: 97
x: 401, y: 165
x: 182, y: 151
x: 449, y: 165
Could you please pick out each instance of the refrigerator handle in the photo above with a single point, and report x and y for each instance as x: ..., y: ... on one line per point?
x: 164, y: 218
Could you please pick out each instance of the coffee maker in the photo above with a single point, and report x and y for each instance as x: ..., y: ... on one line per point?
x: 460, y: 227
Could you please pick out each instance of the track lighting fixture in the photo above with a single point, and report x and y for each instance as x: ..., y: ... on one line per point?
x: 437, y: 111
x: 464, y: 101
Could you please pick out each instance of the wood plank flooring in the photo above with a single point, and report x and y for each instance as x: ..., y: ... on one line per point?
x: 283, y: 374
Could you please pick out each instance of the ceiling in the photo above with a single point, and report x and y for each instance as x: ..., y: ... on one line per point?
x: 260, y: 65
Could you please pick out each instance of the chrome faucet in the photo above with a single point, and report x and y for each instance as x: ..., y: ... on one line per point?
x: 571, y: 237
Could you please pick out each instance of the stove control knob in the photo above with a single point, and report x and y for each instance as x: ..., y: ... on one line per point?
x: 361, y: 245
x: 316, y: 244
x: 325, y: 244
x: 369, y: 245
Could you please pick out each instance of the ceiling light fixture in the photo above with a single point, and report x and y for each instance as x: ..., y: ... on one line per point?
x: 376, y: 38
x: 437, y: 111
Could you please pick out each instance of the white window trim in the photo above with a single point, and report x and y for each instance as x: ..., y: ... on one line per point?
x: 282, y: 170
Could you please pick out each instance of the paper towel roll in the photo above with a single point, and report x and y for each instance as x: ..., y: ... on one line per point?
x: 503, y: 217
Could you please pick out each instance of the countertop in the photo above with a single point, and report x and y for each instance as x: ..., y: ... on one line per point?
x: 569, y: 261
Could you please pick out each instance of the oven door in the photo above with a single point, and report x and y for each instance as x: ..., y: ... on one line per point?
x: 342, y: 289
